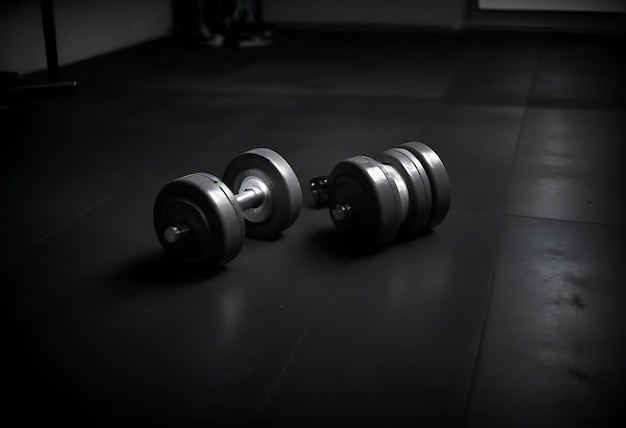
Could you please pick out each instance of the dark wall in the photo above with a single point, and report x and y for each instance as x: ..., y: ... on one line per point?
x: 580, y: 16
x: 428, y: 13
x: 560, y: 15
x: 85, y: 28
x: 555, y: 5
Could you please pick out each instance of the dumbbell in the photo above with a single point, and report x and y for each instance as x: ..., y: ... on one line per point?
x: 201, y: 222
x: 401, y: 192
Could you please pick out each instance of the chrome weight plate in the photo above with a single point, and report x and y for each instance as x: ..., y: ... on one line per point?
x: 197, y: 222
x: 363, y: 201
x: 414, y: 175
x: 268, y: 172
x: 439, y: 181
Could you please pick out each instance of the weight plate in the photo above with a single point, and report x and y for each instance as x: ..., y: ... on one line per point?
x: 439, y: 181
x: 361, y: 185
x: 269, y: 172
x: 422, y: 222
x: 202, y: 204
x: 414, y: 175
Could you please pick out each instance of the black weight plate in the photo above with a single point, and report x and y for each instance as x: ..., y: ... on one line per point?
x: 411, y: 170
x: 362, y: 183
x: 439, y: 181
x: 285, y: 194
x: 201, y: 203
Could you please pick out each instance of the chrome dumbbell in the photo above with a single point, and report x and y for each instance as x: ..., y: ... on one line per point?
x: 201, y: 222
x: 403, y: 191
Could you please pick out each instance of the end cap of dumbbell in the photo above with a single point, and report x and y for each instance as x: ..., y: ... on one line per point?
x: 362, y: 202
x: 319, y: 191
x: 198, y: 222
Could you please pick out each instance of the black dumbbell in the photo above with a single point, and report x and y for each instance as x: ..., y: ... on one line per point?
x: 201, y: 222
x: 401, y: 192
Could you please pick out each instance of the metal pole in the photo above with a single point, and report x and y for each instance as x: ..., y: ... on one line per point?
x: 49, y: 34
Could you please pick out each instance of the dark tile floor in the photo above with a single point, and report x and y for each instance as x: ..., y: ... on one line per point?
x: 509, y: 314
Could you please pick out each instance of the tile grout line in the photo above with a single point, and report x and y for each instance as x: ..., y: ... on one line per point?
x: 594, y: 223
x: 477, y: 359
x: 523, y: 122
x: 472, y: 383
x: 533, y: 217
x: 301, y: 91
x: 270, y: 392
x: 53, y: 232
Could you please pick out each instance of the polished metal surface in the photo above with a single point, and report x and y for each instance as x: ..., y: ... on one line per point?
x: 269, y: 173
x: 364, y: 184
x: 292, y: 197
x: 212, y: 221
x: 418, y: 188
x: 402, y: 189
x: 257, y: 182
x: 251, y: 197
x: 228, y: 212
x: 438, y: 177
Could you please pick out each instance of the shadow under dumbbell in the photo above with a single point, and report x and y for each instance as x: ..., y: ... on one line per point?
x: 262, y: 238
x: 403, y: 239
x: 338, y: 245
x: 313, y: 206
x: 157, y: 269
x: 334, y: 243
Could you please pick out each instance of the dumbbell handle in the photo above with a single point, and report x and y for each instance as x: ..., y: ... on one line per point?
x: 319, y: 190
x: 249, y: 198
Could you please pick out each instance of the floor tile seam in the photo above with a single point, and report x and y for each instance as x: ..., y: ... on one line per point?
x: 56, y: 230
x: 494, y: 263
x: 266, y: 398
x: 479, y: 350
x: 539, y: 103
x: 297, y: 91
x: 496, y: 215
x: 527, y: 108
x: 564, y: 220
x: 486, y: 104
x: 465, y: 55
